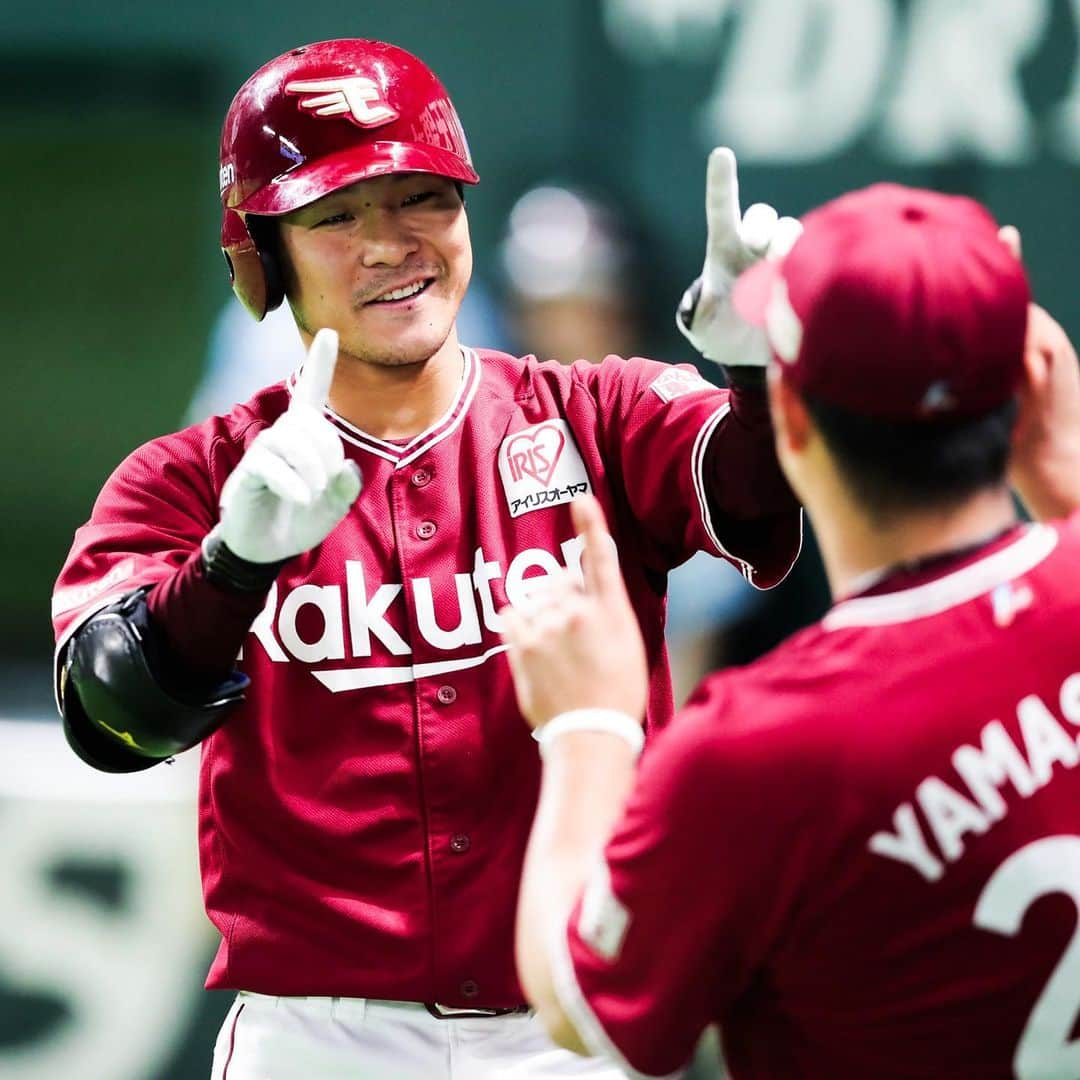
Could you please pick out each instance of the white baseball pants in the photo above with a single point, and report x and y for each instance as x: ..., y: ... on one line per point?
x: 296, y: 1038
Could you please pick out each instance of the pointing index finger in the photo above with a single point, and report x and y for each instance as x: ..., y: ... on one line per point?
x: 600, y: 564
x: 722, y: 214
x: 313, y: 383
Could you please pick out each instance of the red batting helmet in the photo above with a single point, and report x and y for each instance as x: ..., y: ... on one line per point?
x: 319, y: 118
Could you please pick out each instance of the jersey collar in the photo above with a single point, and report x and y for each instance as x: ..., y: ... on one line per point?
x: 400, y: 455
x: 894, y: 600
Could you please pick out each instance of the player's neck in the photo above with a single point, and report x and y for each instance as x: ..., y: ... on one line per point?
x: 398, y: 402
x: 858, y: 551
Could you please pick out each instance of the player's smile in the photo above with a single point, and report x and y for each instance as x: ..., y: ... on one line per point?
x: 401, y: 296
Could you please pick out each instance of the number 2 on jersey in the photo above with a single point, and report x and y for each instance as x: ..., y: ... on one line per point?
x: 1047, y: 866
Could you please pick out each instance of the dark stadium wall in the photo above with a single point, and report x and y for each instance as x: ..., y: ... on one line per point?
x: 113, y: 273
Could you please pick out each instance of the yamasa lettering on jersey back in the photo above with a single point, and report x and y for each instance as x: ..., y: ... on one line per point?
x: 877, y: 834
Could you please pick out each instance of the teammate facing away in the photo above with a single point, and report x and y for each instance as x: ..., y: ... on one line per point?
x: 861, y: 854
x: 366, y: 780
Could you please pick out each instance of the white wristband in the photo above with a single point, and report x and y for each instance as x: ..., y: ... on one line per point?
x: 609, y: 721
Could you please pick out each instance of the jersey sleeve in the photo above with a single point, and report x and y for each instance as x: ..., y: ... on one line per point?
x: 152, y: 513
x: 698, y: 467
x: 687, y: 901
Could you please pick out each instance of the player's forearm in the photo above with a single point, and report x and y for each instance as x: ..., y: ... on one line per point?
x: 587, y: 778
x: 743, y: 482
x: 201, y: 625
x: 743, y: 479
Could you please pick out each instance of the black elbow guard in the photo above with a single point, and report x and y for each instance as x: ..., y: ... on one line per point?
x: 117, y: 716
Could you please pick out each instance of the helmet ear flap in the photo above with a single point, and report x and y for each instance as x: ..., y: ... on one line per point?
x: 253, y: 269
x: 275, y: 285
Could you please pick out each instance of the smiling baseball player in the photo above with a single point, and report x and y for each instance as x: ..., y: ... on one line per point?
x: 366, y: 781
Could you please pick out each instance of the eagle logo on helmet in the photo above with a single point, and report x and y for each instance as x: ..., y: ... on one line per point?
x: 357, y: 98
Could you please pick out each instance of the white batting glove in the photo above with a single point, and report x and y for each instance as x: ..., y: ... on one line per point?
x: 735, y: 242
x: 293, y: 485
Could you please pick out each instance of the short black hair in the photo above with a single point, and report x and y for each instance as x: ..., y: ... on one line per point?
x: 894, y: 467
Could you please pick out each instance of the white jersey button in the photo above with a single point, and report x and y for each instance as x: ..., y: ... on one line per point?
x: 446, y: 695
x: 426, y: 530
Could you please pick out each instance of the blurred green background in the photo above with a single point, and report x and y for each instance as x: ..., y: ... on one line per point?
x: 110, y: 123
x: 113, y: 277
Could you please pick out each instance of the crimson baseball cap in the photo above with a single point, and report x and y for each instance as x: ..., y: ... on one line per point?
x: 897, y: 303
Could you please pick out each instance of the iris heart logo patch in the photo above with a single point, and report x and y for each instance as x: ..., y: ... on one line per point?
x: 541, y: 466
x: 536, y: 453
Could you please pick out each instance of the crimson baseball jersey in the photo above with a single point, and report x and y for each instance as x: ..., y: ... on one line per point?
x: 861, y: 855
x: 363, y: 814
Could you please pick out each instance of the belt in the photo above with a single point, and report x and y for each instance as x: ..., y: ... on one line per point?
x: 357, y: 1006
x: 448, y: 1012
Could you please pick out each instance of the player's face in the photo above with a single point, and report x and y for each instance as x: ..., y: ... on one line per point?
x: 384, y: 262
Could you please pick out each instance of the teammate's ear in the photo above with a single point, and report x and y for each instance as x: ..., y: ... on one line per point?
x: 790, y: 417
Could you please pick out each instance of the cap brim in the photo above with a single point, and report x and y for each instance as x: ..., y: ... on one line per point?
x: 306, y: 183
x: 754, y: 288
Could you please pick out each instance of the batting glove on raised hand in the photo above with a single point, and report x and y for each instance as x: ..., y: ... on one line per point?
x: 735, y: 242
x: 293, y: 485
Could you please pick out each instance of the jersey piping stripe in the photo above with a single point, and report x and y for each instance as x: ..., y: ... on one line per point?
x: 400, y: 456
x: 454, y: 424
x: 697, y: 463
x: 949, y: 591
x: 361, y: 678
x: 697, y: 467
x: 232, y: 1042
x: 576, y: 1007
x: 398, y: 449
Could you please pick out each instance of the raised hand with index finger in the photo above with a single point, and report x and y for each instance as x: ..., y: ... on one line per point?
x: 294, y: 484
x: 735, y: 241
x: 578, y: 646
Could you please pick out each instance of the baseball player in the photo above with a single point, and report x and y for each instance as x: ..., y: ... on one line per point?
x: 351, y: 534
x: 861, y: 854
